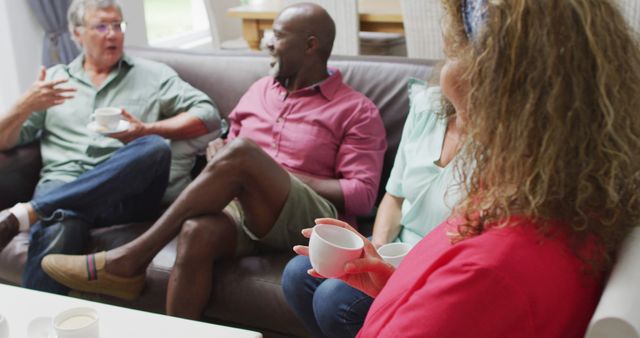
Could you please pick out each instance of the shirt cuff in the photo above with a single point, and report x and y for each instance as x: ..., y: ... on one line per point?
x: 358, y: 200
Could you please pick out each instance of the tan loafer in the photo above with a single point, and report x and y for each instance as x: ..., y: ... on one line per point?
x: 86, y: 273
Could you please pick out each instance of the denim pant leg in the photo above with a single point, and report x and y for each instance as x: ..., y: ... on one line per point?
x: 340, y: 310
x: 127, y: 187
x: 327, y: 307
x: 298, y: 288
x: 69, y: 236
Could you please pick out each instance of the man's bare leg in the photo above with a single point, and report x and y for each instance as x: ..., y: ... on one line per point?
x: 201, y: 242
x: 239, y: 170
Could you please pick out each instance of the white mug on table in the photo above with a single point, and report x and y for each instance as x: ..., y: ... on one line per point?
x: 79, y: 322
x: 4, y: 327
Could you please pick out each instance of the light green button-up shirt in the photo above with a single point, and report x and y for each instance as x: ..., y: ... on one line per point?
x: 148, y: 90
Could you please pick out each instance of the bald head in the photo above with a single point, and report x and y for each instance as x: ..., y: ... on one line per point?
x: 311, y: 19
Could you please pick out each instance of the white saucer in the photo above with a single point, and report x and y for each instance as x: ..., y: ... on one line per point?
x: 95, y: 127
x: 40, y: 327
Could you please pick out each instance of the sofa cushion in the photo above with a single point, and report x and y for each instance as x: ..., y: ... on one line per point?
x: 20, y: 169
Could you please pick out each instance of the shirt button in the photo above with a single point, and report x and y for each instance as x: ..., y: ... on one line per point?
x: 279, y: 120
x: 274, y: 144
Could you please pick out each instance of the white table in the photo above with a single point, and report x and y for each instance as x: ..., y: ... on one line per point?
x: 21, y: 305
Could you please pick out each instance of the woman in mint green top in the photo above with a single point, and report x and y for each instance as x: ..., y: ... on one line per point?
x: 424, y: 188
x: 420, y: 194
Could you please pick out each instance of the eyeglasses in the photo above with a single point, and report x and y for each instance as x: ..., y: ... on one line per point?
x: 103, y: 28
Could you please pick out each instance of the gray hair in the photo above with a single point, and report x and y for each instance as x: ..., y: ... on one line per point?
x: 78, y: 8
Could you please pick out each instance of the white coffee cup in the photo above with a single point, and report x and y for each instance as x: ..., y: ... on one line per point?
x: 330, y: 247
x: 107, y: 117
x: 394, y: 253
x: 4, y: 327
x: 81, y: 322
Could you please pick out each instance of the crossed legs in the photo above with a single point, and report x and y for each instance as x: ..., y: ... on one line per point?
x: 240, y: 170
x: 99, y: 196
x: 67, y: 211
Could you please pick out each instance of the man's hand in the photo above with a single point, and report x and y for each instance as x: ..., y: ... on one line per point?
x: 44, y: 94
x: 136, y: 129
x: 213, y: 147
x: 328, y: 188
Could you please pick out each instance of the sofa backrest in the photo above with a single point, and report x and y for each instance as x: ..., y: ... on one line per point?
x: 225, y: 76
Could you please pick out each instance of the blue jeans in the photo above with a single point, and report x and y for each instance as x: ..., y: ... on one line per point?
x: 128, y: 187
x: 327, y: 307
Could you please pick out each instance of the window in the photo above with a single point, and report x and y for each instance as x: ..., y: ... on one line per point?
x: 176, y: 23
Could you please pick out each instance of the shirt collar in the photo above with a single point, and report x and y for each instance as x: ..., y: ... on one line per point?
x: 327, y: 87
x: 76, y: 70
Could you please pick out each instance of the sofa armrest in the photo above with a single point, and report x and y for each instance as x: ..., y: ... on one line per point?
x: 19, y: 172
x: 618, y: 313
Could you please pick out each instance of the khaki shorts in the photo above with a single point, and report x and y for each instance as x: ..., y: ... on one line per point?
x: 302, y: 207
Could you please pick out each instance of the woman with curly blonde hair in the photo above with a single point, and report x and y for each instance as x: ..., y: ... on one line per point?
x: 548, y: 95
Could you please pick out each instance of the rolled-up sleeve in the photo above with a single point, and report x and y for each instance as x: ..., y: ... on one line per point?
x: 177, y: 96
x: 360, y: 158
x: 31, y: 128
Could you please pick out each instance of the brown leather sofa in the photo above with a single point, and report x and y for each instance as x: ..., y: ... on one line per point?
x: 247, y: 290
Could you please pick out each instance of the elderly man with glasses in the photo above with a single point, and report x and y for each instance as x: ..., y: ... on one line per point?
x: 93, y: 177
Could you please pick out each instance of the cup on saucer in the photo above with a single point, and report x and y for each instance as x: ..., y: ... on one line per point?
x: 40, y: 327
x: 81, y: 322
x: 107, y: 118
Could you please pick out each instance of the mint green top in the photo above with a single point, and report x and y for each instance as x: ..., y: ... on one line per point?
x: 429, y: 191
x: 148, y: 90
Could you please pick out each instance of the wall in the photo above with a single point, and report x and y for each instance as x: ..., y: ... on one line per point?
x: 21, y: 40
x: 136, y: 27
x: 631, y: 12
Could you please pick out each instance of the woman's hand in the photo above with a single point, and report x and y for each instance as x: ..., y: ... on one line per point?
x: 368, y: 273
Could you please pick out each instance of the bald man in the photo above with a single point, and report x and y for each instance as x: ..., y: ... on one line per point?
x: 302, y: 145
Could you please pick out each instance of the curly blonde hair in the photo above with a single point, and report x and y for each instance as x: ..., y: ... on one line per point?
x: 553, y: 118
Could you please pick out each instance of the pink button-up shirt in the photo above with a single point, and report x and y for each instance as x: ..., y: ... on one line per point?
x: 327, y: 130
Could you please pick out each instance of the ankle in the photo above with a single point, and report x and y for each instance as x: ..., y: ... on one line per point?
x: 33, y: 217
x: 119, y: 264
x: 22, y: 213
